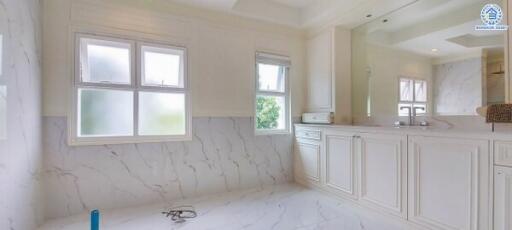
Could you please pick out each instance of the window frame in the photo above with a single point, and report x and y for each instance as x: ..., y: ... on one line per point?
x: 135, y: 86
x: 273, y: 59
x: 413, y: 102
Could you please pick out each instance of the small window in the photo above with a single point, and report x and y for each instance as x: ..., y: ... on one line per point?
x: 272, y: 94
x: 413, y: 93
x: 116, y: 104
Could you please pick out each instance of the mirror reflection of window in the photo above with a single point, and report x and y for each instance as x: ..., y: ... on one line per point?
x: 413, y: 94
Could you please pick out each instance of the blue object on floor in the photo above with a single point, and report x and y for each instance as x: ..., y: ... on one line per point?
x: 95, y: 220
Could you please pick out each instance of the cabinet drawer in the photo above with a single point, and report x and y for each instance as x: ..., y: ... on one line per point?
x: 503, y: 153
x: 308, y: 134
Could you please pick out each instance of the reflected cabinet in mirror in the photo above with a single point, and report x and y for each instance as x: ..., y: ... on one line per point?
x: 429, y: 57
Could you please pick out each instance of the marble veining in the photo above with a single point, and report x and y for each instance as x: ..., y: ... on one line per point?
x: 458, y: 87
x: 280, y: 207
x: 20, y: 115
x: 223, y: 156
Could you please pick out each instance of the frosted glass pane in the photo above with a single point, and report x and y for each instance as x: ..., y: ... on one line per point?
x: 406, y: 90
x: 270, y: 113
x: 420, y: 89
x: 162, y: 67
x: 105, y: 112
x: 161, y: 114
x: 271, y: 77
x: 105, y: 62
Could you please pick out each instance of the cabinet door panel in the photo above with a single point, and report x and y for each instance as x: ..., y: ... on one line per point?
x: 383, y: 172
x: 340, y: 164
x: 503, y: 198
x: 307, y: 161
x: 448, y: 183
x: 320, y: 75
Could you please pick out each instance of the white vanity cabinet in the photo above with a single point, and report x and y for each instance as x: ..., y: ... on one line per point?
x: 502, y: 198
x: 307, y: 156
x: 383, y: 172
x: 368, y: 168
x: 448, y: 182
x: 432, y: 181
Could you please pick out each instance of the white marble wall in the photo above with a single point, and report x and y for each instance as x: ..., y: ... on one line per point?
x: 458, y: 87
x: 224, y: 155
x: 20, y: 119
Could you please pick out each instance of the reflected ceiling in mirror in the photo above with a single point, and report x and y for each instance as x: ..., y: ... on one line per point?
x: 433, y: 43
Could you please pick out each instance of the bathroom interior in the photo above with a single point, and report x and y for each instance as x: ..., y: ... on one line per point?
x: 255, y: 114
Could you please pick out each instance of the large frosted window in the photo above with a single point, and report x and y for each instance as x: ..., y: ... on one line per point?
x: 272, y: 94
x: 116, y: 104
x: 413, y: 95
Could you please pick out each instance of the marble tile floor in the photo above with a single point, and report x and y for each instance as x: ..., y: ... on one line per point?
x: 287, y: 206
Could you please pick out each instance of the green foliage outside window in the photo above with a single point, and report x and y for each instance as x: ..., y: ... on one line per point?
x: 267, y: 112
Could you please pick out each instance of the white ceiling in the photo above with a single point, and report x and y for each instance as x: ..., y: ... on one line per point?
x: 446, y: 26
x: 303, y: 13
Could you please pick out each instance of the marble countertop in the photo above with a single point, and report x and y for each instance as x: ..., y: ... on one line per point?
x: 280, y: 207
x: 418, y: 130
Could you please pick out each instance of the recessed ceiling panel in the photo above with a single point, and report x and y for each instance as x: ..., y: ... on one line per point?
x: 296, y: 3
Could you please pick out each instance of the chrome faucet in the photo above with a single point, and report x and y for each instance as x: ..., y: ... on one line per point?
x: 409, y: 110
x: 414, y: 113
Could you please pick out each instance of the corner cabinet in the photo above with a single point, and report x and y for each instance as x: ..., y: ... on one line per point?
x: 329, y: 73
x: 320, y: 74
x: 307, y: 156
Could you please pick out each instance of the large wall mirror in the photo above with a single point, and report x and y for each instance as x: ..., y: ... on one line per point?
x: 428, y: 54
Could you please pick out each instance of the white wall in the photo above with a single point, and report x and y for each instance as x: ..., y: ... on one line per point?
x: 20, y: 147
x: 223, y: 155
x: 221, y: 49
